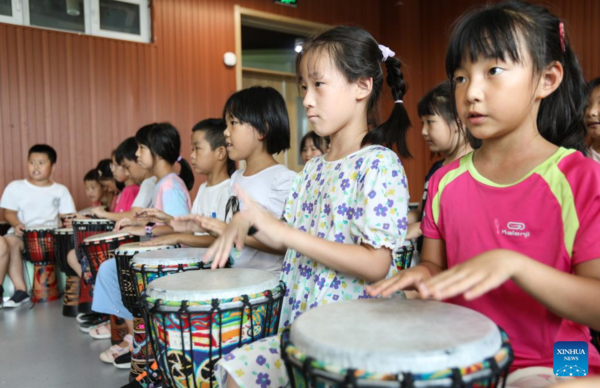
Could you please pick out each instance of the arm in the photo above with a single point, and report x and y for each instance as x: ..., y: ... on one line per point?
x: 11, y: 217
x: 101, y: 213
x: 182, y: 238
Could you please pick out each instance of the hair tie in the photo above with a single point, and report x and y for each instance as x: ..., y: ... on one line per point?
x: 99, y: 172
x: 561, y: 31
x: 179, y: 158
x: 387, y: 53
x: 398, y: 102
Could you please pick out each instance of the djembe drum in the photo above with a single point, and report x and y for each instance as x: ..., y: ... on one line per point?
x: 395, y: 343
x: 39, y: 250
x: 63, y: 244
x: 197, y: 317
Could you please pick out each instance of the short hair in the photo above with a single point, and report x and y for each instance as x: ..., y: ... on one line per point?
x: 213, y: 131
x: 43, y: 149
x: 126, y: 150
x: 321, y: 142
x: 264, y: 109
x: 92, y: 175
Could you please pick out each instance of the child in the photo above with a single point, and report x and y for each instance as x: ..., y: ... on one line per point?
x: 35, y: 201
x: 209, y: 157
x: 107, y: 180
x: 592, y: 118
x: 131, y: 178
x: 257, y: 127
x: 346, y: 212
x: 313, y: 145
x: 159, y: 146
x: 444, y: 136
x: 511, y: 230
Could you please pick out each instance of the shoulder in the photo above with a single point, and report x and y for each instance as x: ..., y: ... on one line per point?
x: 16, y: 185
x: 282, y: 177
x: 581, y: 173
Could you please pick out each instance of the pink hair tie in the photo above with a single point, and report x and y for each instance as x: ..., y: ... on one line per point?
x: 179, y: 158
x: 561, y: 31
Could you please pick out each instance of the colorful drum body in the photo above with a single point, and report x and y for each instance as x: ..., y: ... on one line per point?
x: 101, y: 247
x: 123, y: 256
x: 4, y: 227
x: 197, y: 317
x: 364, y: 343
x: 146, y: 267
x: 403, y: 258
x: 39, y: 249
x: 63, y: 244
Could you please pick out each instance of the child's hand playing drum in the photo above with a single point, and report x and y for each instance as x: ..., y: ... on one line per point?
x: 189, y: 223
x: 154, y: 215
x: 170, y: 239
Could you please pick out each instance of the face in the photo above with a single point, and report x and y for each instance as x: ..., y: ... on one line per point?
x: 203, y: 157
x: 329, y: 99
x: 592, y: 114
x: 135, y: 171
x: 495, y: 98
x: 40, y: 167
x: 119, y: 172
x: 94, y: 191
x: 144, y: 157
x: 440, y: 136
x: 242, y: 139
x: 309, y: 151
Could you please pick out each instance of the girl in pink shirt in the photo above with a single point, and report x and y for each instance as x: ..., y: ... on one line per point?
x: 511, y: 230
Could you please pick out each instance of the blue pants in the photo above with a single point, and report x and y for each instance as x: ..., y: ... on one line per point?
x: 107, y: 293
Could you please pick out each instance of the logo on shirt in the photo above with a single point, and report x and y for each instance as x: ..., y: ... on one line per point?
x: 516, y: 229
x: 570, y: 358
x: 56, y: 202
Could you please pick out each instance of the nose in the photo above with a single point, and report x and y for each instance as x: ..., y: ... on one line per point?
x: 593, y: 110
x: 227, y: 133
x: 474, y: 90
x: 308, y: 101
x: 424, y: 131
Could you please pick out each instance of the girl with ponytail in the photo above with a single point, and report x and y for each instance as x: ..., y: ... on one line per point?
x: 346, y: 214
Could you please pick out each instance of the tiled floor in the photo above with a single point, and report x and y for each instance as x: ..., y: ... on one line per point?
x: 40, y: 347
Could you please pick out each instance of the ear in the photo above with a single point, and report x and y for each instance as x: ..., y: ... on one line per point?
x: 550, y: 79
x: 363, y: 88
x: 221, y: 153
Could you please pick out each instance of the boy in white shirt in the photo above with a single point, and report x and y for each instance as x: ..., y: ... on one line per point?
x: 36, y: 201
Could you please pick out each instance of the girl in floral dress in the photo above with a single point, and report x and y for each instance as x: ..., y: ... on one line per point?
x: 346, y: 214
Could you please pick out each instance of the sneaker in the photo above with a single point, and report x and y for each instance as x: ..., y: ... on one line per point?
x: 88, y: 325
x: 108, y: 356
x: 123, y: 361
x: 101, y: 331
x: 82, y: 317
x: 18, y: 298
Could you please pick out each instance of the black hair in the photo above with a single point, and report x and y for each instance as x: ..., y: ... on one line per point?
x: 438, y: 101
x: 43, y: 149
x: 213, y: 133
x: 357, y: 55
x: 321, y: 142
x: 126, y: 150
x: 162, y: 139
x: 264, y: 109
x: 104, y: 171
x: 593, y: 84
x: 92, y: 175
x: 496, y: 31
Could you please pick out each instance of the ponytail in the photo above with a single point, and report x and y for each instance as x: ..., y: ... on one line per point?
x: 231, y: 167
x: 185, y: 173
x: 393, y: 132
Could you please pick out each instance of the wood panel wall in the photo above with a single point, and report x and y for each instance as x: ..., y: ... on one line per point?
x: 84, y: 95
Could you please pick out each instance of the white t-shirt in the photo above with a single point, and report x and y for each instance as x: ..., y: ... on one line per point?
x: 37, y: 205
x: 144, y: 197
x: 593, y: 154
x: 211, y: 201
x: 270, y: 189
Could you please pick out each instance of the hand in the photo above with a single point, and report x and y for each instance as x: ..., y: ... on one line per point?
x: 189, y: 223
x: 99, y: 212
x: 474, y: 277
x: 127, y: 222
x: 19, y: 230
x: 408, y: 279
x: 211, y: 225
x: 170, y: 239
x: 135, y: 230
x: 414, y: 231
x: 153, y: 215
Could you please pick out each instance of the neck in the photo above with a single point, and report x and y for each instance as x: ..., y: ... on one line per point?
x: 218, y: 175
x: 106, y: 199
x: 596, y: 144
x: 161, y: 169
x: 459, y: 152
x: 129, y: 182
x: 259, y: 161
x: 347, y: 140
x: 44, y: 183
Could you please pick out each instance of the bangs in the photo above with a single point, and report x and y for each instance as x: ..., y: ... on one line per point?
x: 427, y: 108
x: 492, y: 33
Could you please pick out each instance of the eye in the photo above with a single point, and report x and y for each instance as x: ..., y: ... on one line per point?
x: 233, y: 122
x: 459, y: 79
x: 430, y: 122
x: 317, y: 84
x: 495, y: 70
x: 303, y: 88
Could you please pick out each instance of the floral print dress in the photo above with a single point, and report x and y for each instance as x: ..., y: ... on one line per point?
x: 359, y: 199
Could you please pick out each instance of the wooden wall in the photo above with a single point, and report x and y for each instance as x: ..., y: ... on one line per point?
x: 84, y: 95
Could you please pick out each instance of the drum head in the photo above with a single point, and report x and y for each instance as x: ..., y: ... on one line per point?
x: 134, y: 248
x: 395, y: 335
x: 64, y: 231
x: 212, y: 284
x: 105, y: 236
x: 90, y: 221
x: 169, y: 257
x: 37, y: 228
